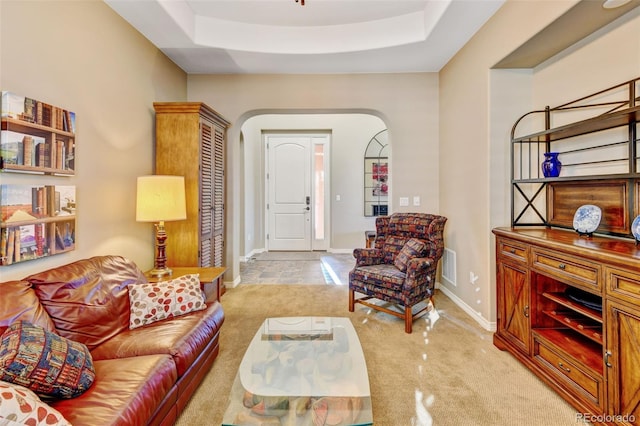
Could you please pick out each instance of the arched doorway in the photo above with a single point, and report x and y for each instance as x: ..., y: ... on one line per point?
x: 349, y: 135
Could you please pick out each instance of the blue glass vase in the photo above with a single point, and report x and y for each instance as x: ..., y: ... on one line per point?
x: 551, y: 165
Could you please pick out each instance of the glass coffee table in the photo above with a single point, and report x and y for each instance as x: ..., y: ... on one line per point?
x: 302, y: 371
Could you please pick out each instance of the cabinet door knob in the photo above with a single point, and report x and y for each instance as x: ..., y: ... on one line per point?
x: 562, y: 366
x: 525, y: 311
x: 512, y: 251
x: 562, y: 266
x: 607, y: 355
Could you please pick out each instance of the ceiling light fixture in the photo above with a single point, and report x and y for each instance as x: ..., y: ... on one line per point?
x: 612, y: 4
x: 301, y: 2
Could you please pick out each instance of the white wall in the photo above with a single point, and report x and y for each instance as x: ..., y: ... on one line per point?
x: 350, y: 134
x: 83, y: 57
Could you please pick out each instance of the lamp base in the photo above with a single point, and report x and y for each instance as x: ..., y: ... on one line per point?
x: 160, y: 268
x: 157, y: 273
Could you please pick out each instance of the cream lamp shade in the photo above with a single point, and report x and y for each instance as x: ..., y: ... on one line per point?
x: 160, y: 198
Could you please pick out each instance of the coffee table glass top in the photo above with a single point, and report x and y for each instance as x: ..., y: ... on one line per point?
x: 302, y: 371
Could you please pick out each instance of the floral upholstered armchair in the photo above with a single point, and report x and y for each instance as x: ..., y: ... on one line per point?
x: 401, y: 268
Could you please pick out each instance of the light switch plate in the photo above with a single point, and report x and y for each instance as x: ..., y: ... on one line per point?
x: 404, y: 201
x: 416, y: 200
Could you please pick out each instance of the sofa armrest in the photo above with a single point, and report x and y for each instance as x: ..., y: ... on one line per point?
x: 368, y: 256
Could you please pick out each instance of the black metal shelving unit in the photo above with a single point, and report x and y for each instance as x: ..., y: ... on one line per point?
x: 599, y: 142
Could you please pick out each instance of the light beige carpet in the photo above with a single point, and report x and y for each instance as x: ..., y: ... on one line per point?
x: 447, y: 372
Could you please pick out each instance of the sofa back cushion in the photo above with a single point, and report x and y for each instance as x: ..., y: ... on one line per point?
x: 88, y: 300
x: 20, y: 302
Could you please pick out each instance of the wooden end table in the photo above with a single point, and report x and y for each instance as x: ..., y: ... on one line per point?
x: 210, y: 278
x: 370, y: 238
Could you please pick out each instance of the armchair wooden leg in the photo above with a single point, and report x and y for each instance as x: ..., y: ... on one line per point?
x: 351, y: 300
x: 408, y: 319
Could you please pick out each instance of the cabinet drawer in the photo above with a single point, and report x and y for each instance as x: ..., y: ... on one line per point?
x: 580, y: 381
x: 579, y: 272
x: 623, y: 284
x: 512, y: 250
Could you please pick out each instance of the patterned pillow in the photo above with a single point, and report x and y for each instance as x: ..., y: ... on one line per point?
x: 151, y: 302
x: 44, y: 362
x: 392, y: 246
x: 20, y: 406
x: 412, y: 248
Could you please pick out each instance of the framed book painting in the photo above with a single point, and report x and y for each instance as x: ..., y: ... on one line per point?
x: 36, y: 221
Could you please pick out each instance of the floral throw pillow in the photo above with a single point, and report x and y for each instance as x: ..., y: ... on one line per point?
x: 20, y: 406
x: 151, y: 302
x: 412, y: 248
x: 44, y: 362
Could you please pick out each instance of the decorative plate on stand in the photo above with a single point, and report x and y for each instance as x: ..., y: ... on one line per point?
x: 635, y: 229
x: 587, y: 219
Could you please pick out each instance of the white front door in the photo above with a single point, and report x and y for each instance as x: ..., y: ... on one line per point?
x: 293, y: 202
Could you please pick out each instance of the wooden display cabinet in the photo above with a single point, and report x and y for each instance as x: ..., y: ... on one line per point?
x: 568, y: 306
x: 569, y: 309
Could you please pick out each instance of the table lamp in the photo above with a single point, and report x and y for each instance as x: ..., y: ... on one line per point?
x: 160, y: 198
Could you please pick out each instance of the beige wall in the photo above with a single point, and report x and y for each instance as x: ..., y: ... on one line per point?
x: 475, y: 156
x: 450, y: 131
x: 82, y: 56
x: 606, y: 58
x: 407, y: 103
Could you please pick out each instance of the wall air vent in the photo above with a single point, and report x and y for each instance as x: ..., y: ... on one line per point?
x: 449, y: 266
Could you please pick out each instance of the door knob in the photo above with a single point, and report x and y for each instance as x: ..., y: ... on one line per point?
x: 607, y: 355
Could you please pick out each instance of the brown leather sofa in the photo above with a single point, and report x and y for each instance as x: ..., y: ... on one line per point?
x: 144, y: 376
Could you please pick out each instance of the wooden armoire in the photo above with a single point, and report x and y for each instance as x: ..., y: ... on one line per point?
x: 190, y: 139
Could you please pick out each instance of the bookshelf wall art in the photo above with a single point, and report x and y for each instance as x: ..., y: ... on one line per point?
x: 36, y: 137
x: 37, y: 221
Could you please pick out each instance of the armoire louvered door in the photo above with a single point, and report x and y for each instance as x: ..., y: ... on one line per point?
x: 190, y: 138
x: 206, y: 197
x: 218, y: 196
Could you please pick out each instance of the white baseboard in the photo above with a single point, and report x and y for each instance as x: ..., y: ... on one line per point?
x: 251, y: 254
x: 232, y: 284
x: 340, y: 251
x: 487, y: 325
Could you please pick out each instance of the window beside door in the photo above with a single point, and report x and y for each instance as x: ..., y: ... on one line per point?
x: 376, y: 175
